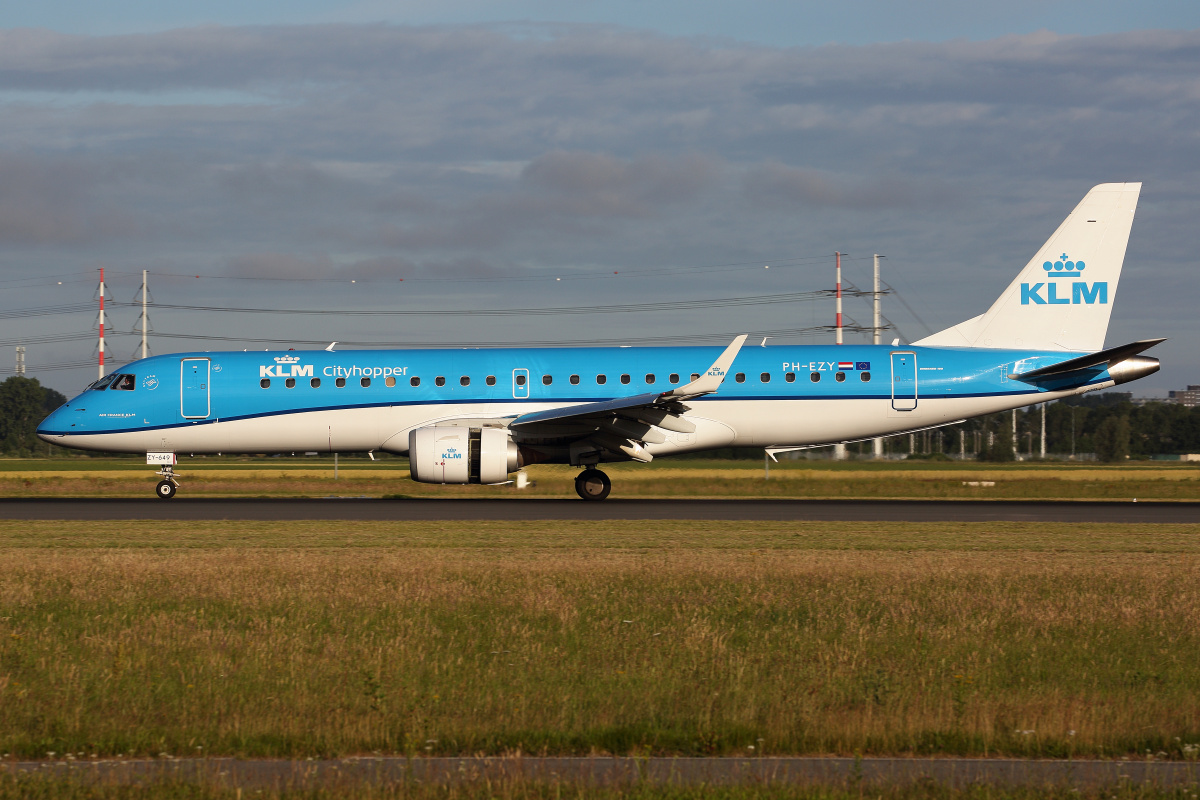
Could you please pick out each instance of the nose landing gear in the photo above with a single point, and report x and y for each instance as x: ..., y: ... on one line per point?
x: 168, y: 485
x: 592, y: 484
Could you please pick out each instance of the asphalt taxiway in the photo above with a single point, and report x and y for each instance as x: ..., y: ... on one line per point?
x: 182, y: 508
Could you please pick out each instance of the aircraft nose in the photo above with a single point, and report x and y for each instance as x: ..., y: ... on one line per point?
x: 49, y: 428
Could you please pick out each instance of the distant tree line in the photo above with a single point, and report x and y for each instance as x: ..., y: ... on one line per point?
x: 24, y: 403
x: 1108, y: 425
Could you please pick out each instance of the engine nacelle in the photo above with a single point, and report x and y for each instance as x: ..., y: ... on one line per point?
x: 461, y: 455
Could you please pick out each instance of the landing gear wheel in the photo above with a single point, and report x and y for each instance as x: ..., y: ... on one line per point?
x: 592, y: 484
x: 165, y: 490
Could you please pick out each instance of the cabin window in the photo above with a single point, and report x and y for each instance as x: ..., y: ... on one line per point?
x: 340, y: 383
x: 740, y: 377
x: 624, y: 379
x: 521, y: 379
x: 465, y: 380
x: 490, y: 380
x: 389, y: 381
x: 124, y: 383
x: 695, y: 376
x: 815, y: 377
x: 265, y: 383
x: 601, y: 379
x: 840, y: 377
x: 790, y: 377
x: 365, y: 382
x: 765, y: 377
x: 439, y: 381
x: 547, y: 380
x: 290, y: 383
x: 649, y: 377
x: 414, y: 381
x: 865, y: 377
x: 315, y: 383
x: 674, y: 377
x: 574, y: 380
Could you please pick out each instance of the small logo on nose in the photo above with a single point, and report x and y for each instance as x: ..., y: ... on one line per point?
x: 150, y: 382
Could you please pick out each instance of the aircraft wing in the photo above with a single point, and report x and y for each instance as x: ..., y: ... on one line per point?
x: 627, y: 424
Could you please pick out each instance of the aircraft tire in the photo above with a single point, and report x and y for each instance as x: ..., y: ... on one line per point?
x: 592, y: 484
x: 165, y: 490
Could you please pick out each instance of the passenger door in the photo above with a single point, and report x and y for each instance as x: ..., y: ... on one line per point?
x: 194, y: 388
x: 904, y: 381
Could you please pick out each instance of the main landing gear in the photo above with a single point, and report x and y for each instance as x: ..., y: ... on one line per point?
x: 168, y: 485
x: 592, y: 484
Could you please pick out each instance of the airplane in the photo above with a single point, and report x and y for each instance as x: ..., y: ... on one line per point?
x: 477, y: 416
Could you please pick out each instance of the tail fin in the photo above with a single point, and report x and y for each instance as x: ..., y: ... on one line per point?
x: 1063, y: 298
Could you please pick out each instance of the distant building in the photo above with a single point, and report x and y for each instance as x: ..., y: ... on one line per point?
x: 1189, y: 397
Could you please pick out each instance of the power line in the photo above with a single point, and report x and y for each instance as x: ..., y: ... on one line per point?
x: 544, y: 274
x: 624, y: 308
x: 51, y: 367
x: 21, y: 313
x: 694, y: 337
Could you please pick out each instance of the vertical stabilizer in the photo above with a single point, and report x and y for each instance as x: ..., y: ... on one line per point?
x: 1063, y: 298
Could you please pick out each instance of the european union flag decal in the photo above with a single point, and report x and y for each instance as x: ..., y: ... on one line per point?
x: 863, y: 365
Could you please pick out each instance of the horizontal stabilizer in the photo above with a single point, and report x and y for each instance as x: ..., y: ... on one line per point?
x: 1104, y: 358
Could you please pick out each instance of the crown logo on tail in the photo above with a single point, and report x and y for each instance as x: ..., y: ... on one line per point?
x: 1064, y: 268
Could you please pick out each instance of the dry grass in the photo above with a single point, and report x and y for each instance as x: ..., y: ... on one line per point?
x: 306, y: 639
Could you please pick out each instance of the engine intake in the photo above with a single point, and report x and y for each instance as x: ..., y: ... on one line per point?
x: 461, y: 455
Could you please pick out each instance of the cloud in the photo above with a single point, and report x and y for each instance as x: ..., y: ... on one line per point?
x: 384, y: 151
x: 48, y: 201
x: 773, y: 183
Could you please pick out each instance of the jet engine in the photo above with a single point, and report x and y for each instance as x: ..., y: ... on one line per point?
x: 461, y: 455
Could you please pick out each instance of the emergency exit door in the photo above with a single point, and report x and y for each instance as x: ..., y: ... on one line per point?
x: 904, y: 381
x: 193, y: 388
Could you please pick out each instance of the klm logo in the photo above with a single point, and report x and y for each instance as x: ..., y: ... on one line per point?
x: 1055, y: 292
x: 451, y: 454
x: 285, y: 367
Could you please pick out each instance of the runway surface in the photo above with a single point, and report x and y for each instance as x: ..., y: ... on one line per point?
x: 614, y: 771
x: 780, y: 510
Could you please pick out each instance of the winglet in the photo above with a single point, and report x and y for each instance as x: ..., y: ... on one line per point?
x: 710, y: 381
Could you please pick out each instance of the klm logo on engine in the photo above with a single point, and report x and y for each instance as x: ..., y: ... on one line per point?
x: 1053, y: 293
x: 285, y: 367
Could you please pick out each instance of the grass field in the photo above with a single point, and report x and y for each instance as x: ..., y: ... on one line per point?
x: 266, y: 477
x: 327, y: 639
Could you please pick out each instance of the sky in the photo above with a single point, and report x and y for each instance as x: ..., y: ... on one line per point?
x: 507, y: 156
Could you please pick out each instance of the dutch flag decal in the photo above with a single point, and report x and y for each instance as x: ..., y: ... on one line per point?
x: 845, y: 365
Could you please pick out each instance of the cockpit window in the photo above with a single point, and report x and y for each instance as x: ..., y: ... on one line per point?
x: 103, y: 383
x: 124, y: 383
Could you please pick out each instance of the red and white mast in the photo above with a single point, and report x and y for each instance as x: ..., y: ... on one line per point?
x: 838, y: 257
x: 101, y: 365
